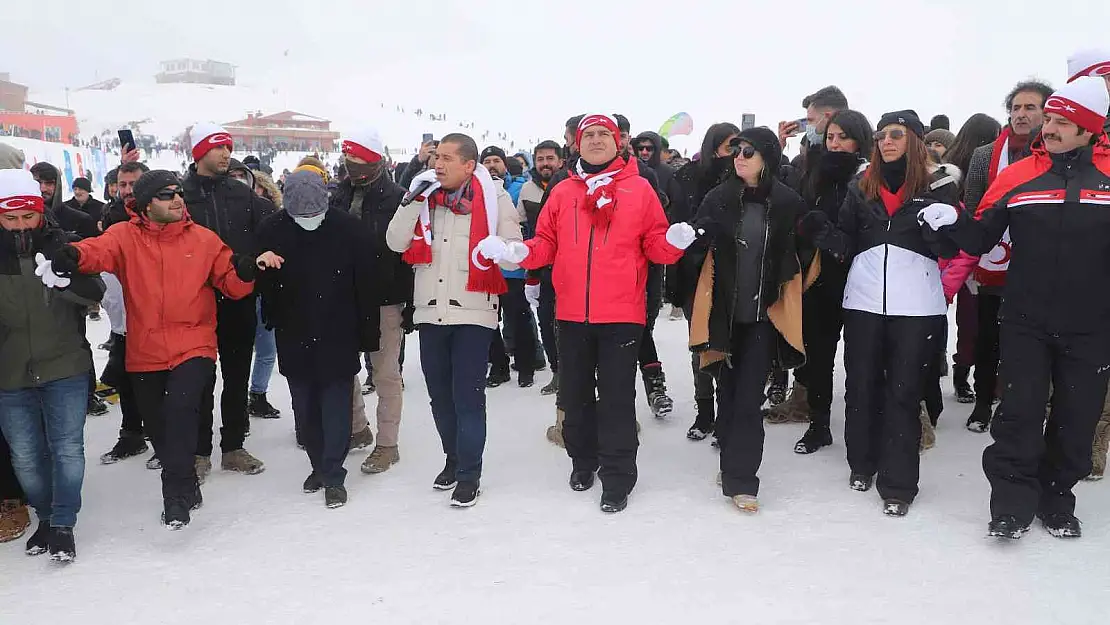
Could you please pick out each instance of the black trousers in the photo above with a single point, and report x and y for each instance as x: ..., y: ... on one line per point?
x: 236, y: 322
x: 9, y: 483
x: 322, y: 411
x: 600, y: 429
x: 1033, y: 465
x: 115, y: 375
x: 703, y: 382
x: 986, y: 347
x: 885, y: 359
x: 823, y: 319
x: 515, y: 312
x: 648, y: 354
x: 740, y: 422
x: 547, y: 320
x: 171, y: 401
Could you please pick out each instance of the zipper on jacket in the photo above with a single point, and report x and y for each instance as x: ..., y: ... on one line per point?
x: 886, y: 255
x: 763, y: 264
x: 589, y: 270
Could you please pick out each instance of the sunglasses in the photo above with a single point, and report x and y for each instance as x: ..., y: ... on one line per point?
x: 645, y: 148
x: 167, y: 194
x: 736, y: 149
x: 895, y: 135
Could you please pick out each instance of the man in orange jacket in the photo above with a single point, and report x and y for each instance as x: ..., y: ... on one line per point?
x: 170, y: 269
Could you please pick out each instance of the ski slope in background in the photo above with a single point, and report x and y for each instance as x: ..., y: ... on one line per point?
x: 532, y: 551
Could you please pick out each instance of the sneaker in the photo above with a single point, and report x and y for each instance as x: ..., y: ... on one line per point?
x: 241, y: 461
x: 696, y: 433
x: 1061, y: 525
x: 380, y: 460
x: 497, y: 378
x: 96, y: 407
x: 37, y: 544
x: 446, y: 478
x: 980, y: 419
x: 61, y: 545
x: 816, y: 437
x: 368, y: 387
x: 15, y: 518
x: 526, y: 380
x: 581, y: 481
x: 312, y: 484
x: 895, y: 507
x: 335, y: 496
x: 552, y: 386
x: 465, y: 495
x: 1007, y: 526
x: 613, y: 503
x: 259, y: 407
x: 127, y: 446
x: 153, y: 463
x: 746, y: 503
x: 861, y: 482
x: 361, y: 439
x: 964, y: 392
x: 203, y: 466
x: 175, y: 514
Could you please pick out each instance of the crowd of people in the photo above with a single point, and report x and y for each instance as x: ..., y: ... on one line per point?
x: 563, y: 258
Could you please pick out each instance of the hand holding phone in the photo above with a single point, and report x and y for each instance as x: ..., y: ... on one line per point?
x: 126, y: 140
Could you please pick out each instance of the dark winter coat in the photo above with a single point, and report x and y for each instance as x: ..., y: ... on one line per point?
x: 1055, y: 207
x: 227, y: 207
x: 42, y: 330
x: 825, y: 190
x: 75, y: 221
x: 93, y: 207
x: 114, y: 212
x: 323, y: 303
x: 716, y: 260
x: 377, y: 204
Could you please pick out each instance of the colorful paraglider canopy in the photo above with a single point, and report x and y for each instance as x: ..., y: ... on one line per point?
x: 678, y: 124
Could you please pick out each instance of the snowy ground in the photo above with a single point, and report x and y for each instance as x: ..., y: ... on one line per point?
x: 533, y: 551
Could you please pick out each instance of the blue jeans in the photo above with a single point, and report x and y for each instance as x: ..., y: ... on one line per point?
x: 322, y: 411
x: 45, y: 428
x: 265, y: 354
x: 454, y: 360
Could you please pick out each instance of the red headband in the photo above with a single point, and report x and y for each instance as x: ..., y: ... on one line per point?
x: 354, y: 149
x: 597, y: 120
x: 206, y: 144
x: 1080, y: 115
x: 21, y: 203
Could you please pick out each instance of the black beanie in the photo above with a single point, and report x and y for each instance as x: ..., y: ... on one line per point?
x: 82, y: 183
x: 907, y: 118
x: 493, y: 150
x: 766, y: 142
x: 112, y: 177
x: 150, y: 183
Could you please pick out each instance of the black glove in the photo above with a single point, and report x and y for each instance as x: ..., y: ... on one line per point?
x: 245, y: 267
x: 813, y: 225
x: 65, y: 259
x: 406, y: 319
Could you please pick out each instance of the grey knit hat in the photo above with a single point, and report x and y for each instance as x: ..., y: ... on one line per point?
x: 942, y: 136
x: 304, y: 194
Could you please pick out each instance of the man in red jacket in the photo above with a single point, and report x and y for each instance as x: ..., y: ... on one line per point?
x: 599, y: 229
x: 170, y: 269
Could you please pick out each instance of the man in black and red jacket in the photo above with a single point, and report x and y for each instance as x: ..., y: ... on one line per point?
x: 1055, y: 316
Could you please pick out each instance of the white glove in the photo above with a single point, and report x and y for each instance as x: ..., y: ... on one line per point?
x: 681, y: 235
x: 938, y: 215
x: 532, y: 294
x: 45, y: 270
x: 517, y: 252
x: 493, y: 247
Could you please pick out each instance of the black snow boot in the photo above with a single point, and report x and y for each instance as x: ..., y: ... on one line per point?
x: 703, y: 422
x: 964, y: 393
x: 96, y: 407
x: 446, y: 478
x: 61, y: 545
x: 776, y: 391
x: 1007, y: 526
x: 175, y: 514
x: 38, y: 543
x: 497, y: 378
x: 980, y: 419
x: 129, y: 444
x: 655, y: 383
x: 816, y: 437
x: 1061, y: 524
x: 259, y: 407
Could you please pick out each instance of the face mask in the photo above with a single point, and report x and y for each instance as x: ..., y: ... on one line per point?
x: 812, y: 135
x: 310, y: 223
x: 244, y: 181
x: 363, y: 173
x: 22, y: 241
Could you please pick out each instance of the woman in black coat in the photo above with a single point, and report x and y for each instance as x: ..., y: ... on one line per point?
x: 747, y: 301
x: 323, y: 305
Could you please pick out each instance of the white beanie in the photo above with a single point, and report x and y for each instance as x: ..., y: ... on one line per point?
x: 1084, y: 101
x: 19, y: 191
x: 365, y: 144
x: 1089, y: 62
x: 205, y: 136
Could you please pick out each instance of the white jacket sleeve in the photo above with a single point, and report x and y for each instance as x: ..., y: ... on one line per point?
x: 398, y: 236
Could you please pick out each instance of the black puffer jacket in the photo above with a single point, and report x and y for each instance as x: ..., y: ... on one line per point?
x: 93, y: 207
x: 227, y: 207
x: 377, y: 204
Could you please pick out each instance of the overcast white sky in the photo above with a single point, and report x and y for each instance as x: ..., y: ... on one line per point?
x: 527, y: 66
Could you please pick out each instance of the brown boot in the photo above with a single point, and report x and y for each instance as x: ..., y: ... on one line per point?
x: 928, y: 432
x: 555, y: 432
x: 380, y: 460
x: 794, y: 410
x: 14, y: 519
x: 241, y: 461
x: 361, y: 439
x: 1100, y: 448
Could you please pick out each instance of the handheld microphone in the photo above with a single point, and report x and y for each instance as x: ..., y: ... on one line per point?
x: 417, y: 192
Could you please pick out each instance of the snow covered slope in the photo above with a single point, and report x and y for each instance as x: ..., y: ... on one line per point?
x: 533, y: 551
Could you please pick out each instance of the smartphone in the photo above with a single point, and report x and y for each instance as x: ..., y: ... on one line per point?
x: 803, y: 123
x: 126, y: 139
x: 426, y: 138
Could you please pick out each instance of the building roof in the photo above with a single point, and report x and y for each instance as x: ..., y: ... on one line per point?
x: 283, y: 117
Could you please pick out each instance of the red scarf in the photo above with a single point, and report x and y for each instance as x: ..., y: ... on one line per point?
x: 1006, y: 143
x: 600, y: 198
x: 892, y: 201
x: 484, y: 275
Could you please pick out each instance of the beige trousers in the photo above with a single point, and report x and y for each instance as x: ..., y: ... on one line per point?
x: 387, y: 379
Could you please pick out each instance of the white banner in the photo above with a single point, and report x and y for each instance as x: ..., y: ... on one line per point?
x: 73, y: 162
